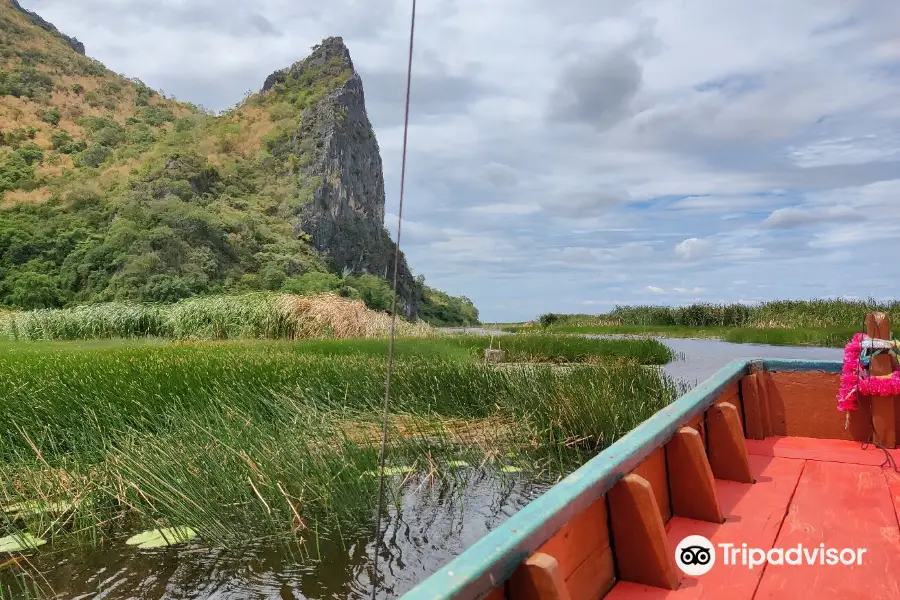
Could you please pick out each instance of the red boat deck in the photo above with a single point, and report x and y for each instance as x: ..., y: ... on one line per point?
x: 812, y: 492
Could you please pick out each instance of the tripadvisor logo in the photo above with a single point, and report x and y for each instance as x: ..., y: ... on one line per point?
x: 695, y: 555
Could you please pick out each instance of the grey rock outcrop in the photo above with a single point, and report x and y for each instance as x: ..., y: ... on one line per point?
x: 345, y: 216
x: 47, y: 26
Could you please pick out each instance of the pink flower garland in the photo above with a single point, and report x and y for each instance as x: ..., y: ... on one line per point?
x: 855, y: 381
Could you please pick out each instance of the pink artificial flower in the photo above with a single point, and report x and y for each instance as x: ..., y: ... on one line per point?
x: 855, y: 382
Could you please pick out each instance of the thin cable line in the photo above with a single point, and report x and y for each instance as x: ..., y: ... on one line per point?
x: 390, y: 366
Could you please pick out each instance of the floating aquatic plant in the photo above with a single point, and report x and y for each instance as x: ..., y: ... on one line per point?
x: 32, y: 508
x: 160, y: 538
x: 20, y: 542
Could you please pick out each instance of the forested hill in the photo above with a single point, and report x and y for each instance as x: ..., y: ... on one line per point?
x: 111, y: 191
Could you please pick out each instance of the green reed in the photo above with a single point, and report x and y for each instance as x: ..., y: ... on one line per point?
x: 249, y: 440
x: 785, y: 314
x: 255, y: 315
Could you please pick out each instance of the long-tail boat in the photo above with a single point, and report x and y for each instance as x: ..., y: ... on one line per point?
x: 795, y: 495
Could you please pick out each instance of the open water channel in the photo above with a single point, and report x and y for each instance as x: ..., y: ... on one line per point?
x: 434, y: 526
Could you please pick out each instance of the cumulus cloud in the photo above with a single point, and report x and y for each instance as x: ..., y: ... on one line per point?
x: 566, y: 148
x: 693, y: 249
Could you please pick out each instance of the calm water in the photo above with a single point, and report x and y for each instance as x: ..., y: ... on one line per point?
x: 434, y: 526
x: 702, y: 358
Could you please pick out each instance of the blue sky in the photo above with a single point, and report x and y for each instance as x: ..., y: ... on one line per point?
x: 572, y: 155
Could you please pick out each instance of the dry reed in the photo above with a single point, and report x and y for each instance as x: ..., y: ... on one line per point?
x: 329, y: 315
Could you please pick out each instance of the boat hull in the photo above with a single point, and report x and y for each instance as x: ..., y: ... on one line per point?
x: 758, y: 445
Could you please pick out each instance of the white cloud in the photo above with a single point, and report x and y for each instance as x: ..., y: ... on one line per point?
x: 561, y: 147
x: 784, y: 218
x: 724, y: 203
x: 581, y: 204
x: 848, y: 150
x: 693, y: 249
x: 505, y: 209
x: 655, y: 290
x: 634, y: 251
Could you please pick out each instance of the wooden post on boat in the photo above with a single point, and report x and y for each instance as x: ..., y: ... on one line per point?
x: 639, y: 538
x: 538, y: 578
x: 728, y: 456
x: 884, y: 408
x: 692, y: 486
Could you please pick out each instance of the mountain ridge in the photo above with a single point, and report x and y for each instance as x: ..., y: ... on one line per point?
x: 111, y: 191
x: 47, y: 26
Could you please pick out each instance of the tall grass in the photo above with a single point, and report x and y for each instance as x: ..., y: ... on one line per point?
x: 242, y: 441
x: 257, y: 315
x: 564, y: 349
x: 827, y: 338
x: 831, y: 337
x: 784, y: 314
x: 24, y: 588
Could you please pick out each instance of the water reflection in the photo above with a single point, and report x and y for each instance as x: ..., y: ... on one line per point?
x: 433, y: 525
x: 702, y: 358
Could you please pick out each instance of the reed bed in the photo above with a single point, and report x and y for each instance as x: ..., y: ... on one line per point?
x: 245, y: 441
x: 779, y: 314
x: 526, y: 348
x: 536, y: 347
x: 256, y: 315
x: 826, y: 337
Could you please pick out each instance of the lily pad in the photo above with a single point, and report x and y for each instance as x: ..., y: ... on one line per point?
x: 159, y: 538
x: 20, y: 542
x: 510, y: 469
x: 391, y: 471
x: 33, y: 508
x: 458, y: 463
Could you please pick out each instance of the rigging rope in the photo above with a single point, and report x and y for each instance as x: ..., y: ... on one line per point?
x: 390, y: 365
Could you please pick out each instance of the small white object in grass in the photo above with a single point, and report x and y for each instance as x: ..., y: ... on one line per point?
x: 158, y: 538
x: 20, y: 542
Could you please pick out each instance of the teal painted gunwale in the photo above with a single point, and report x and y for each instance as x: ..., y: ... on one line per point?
x: 492, y: 559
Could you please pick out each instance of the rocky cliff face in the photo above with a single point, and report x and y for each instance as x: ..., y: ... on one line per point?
x: 345, y: 215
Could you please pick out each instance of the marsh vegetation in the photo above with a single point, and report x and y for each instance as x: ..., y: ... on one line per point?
x: 276, y: 442
x: 829, y: 322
